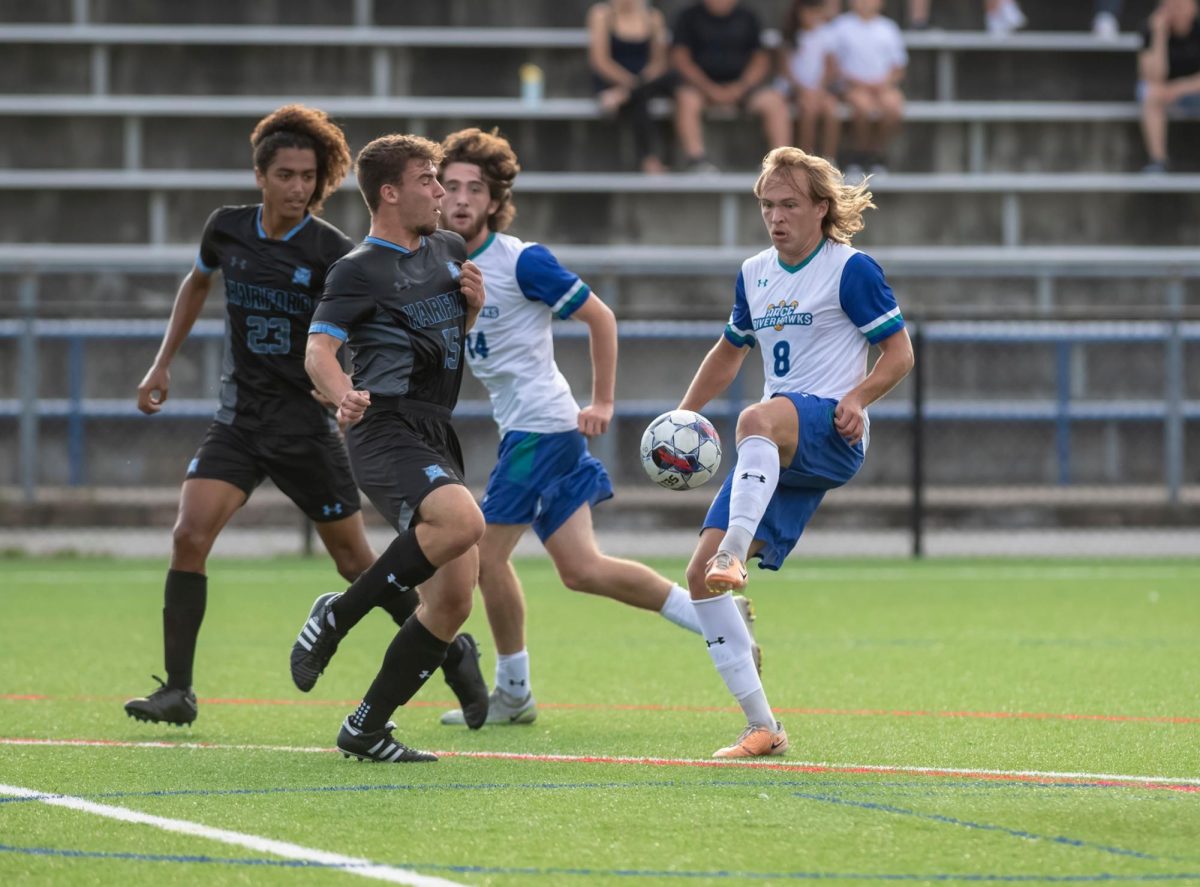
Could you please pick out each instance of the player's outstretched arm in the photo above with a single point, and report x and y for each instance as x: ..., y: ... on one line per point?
x: 152, y: 392
x: 594, y: 419
x: 717, y: 370
x: 325, y: 371
x: 895, y: 360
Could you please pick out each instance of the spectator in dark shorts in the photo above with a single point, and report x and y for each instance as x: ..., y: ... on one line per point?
x: 1169, y: 73
x: 722, y: 62
x: 403, y: 301
x: 273, y: 258
x: 628, y: 54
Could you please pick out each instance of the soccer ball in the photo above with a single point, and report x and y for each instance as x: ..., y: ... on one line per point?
x: 681, y: 450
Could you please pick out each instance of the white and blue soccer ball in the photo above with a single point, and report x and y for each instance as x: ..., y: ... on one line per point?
x: 681, y: 450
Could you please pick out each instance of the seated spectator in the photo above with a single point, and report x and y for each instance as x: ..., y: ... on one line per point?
x: 1169, y: 72
x: 807, y: 65
x: 1002, y: 16
x: 628, y: 54
x: 871, y: 62
x: 721, y: 61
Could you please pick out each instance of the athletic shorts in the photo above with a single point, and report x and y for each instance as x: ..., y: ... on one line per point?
x: 823, y: 460
x: 543, y: 479
x: 310, y: 469
x: 400, y: 456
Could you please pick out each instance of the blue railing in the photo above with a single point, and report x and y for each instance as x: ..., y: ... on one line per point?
x: 1063, y: 410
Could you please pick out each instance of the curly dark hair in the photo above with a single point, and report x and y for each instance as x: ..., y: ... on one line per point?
x: 496, y: 160
x: 298, y: 126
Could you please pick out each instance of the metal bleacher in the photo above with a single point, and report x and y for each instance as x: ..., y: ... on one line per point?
x: 970, y: 171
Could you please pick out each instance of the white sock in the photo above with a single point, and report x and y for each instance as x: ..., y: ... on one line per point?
x: 755, y: 478
x: 678, y: 609
x: 512, y: 674
x: 728, y: 643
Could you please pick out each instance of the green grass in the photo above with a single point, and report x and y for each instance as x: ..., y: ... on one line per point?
x: 882, y: 663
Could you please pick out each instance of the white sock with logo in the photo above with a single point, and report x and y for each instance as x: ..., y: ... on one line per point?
x: 512, y: 673
x: 755, y: 478
x: 678, y: 609
x: 728, y: 643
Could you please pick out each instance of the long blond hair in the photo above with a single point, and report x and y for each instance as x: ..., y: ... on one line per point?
x: 820, y: 180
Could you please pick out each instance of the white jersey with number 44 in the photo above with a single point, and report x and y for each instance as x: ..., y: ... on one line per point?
x: 814, y: 321
x: 511, y: 348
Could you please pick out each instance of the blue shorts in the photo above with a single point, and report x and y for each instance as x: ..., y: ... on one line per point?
x: 823, y: 460
x: 543, y: 479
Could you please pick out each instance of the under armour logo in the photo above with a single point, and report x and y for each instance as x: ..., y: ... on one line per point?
x: 719, y: 640
x: 399, y: 285
x: 762, y: 281
x: 424, y: 674
x: 513, y: 683
x: 235, y: 262
x: 328, y: 510
x: 747, y: 475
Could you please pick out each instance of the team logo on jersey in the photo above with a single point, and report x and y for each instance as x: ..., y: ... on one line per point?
x: 302, y: 276
x: 454, y: 269
x: 433, y: 472
x: 783, y: 314
x: 490, y: 311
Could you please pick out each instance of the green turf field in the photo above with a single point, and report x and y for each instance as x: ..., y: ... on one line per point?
x: 1068, y: 692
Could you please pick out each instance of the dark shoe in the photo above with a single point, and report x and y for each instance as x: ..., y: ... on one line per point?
x: 378, y: 746
x: 315, y: 645
x: 466, y: 680
x: 169, y: 704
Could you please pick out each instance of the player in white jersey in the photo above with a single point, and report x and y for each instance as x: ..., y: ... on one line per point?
x: 545, y: 476
x: 815, y: 305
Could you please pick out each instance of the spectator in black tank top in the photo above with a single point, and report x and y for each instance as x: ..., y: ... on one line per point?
x: 1169, y: 73
x: 627, y: 52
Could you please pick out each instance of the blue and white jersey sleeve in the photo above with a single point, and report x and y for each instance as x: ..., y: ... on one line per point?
x: 542, y: 279
x: 740, y: 329
x: 208, y: 259
x: 867, y: 299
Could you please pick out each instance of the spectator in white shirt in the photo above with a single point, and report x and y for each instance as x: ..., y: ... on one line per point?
x: 806, y: 62
x: 871, y: 62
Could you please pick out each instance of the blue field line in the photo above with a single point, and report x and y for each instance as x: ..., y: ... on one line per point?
x: 951, y: 820
x: 984, y: 877
x: 892, y: 787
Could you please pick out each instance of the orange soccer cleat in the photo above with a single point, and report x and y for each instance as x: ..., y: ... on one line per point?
x: 724, y: 572
x: 756, y: 742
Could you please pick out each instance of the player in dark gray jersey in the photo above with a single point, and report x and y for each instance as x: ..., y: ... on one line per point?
x: 274, y: 258
x: 403, y: 301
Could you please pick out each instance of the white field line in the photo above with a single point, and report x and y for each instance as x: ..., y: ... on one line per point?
x: 771, y: 764
x: 349, y: 864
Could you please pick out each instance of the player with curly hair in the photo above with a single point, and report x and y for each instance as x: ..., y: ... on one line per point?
x: 544, y: 476
x: 274, y: 257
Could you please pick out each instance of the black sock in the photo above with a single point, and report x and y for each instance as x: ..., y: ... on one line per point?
x: 401, y: 568
x: 184, y: 598
x: 401, y: 605
x: 413, y: 655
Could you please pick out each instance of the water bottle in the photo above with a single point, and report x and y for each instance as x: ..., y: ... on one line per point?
x: 532, y: 84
